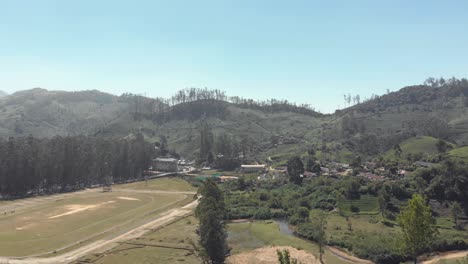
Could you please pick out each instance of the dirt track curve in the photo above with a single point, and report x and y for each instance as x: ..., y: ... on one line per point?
x: 164, y: 218
x: 446, y: 255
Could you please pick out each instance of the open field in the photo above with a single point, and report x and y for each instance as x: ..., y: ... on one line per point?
x: 50, y: 225
x: 53, y: 225
x: 367, y: 233
x: 170, y: 244
x: 367, y: 204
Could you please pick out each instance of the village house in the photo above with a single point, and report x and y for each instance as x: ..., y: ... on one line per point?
x: 424, y: 164
x: 308, y: 174
x: 281, y: 168
x: 252, y: 168
x: 370, y: 165
x: 227, y: 178
x: 402, y: 173
x: 371, y: 176
x: 165, y: 164
x: 337, y: 166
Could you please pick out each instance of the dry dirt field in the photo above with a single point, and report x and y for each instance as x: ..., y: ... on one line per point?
x: 268, y: 255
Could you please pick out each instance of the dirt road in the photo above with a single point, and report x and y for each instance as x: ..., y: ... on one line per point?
x: 345, y: 256
x: 163, y: 219
x: 446, y: 255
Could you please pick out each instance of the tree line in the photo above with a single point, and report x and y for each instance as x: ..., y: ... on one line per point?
x: 31, y: 166
x: 193, y: 103
x: 222, y: 151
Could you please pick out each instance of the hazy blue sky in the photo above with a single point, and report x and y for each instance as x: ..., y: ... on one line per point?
x: 303, y: 51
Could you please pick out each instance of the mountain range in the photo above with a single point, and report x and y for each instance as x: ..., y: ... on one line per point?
x: 273, y: 129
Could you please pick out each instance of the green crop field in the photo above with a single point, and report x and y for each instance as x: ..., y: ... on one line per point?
x: 54, y: 224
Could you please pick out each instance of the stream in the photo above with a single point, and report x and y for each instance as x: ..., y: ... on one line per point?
x: 284, y: 226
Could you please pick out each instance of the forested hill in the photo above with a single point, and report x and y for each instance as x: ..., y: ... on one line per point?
x: 267, y: 128
x: 44, y: 113
x: 439, y: 109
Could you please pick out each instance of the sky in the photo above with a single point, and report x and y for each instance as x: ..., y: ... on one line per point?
x: 304, y: 51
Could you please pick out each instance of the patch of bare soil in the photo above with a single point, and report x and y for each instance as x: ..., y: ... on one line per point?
x: 267, y: 255
x: 127, y: 198
x: 76, y: 208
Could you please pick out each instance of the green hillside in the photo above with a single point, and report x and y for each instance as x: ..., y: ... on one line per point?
x: 414, y: 117
x: 460, y: 153
x: 425, y: 145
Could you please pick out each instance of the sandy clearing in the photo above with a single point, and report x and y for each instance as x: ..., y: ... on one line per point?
x: 267, y: 255
x: 76, y: 208
x: 127, y: 198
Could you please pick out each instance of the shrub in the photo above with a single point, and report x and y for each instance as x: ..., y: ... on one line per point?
x: 263, y: 213
x: 354, y: 209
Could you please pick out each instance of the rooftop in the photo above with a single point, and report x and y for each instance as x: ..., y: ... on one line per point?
x: 166, y: 159
x: 253, y: 166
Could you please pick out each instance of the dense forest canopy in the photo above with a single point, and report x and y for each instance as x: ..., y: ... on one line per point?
x: 34, y: 166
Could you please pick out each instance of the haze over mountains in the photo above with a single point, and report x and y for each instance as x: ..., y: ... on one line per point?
x: 438, y: 110
x: 3, y: 94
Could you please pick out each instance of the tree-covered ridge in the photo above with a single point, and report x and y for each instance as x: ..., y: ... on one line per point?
x: 433, y: 91
x: 34, y: 166
x: 194, y: 103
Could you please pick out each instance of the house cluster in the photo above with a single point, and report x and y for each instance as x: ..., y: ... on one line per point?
x: 368, y: 170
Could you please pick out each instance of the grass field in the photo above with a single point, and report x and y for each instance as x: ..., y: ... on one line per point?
x: 54, y: 223
x: 460, y: 153
x: 367, y: 204
x: 160, y: 184
x: 367, y: 233
x: 415, y: 145
x: 166, y: 241
x: 249, y: 236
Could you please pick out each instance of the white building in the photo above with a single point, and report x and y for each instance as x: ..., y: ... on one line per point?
x: 252, y: 168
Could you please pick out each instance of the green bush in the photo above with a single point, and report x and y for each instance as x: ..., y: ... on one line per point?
x: 263, y: 213
x: 354, y: 209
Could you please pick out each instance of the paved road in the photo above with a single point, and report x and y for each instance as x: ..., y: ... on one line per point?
x: 164, y: 218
